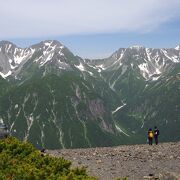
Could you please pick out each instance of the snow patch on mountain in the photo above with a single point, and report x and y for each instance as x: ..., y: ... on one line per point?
x: 11, y: 127
x: 20, y: 55
x: 146, y: 72
x: 48, y: 43
x: 1, y: 121
x: 137, y: 47
x: 120, y: 130
x: 100, y: 67
x: 80, y: 67
x: 17, y: 58
x: 148, y: 54
x: 30, y: 121
x: 124, y: 69
x: 155, y: 78
x: 46, y: 58
x: 118, y: 108
x: 144, y: 69
x: 5, y: 75
x: 8, y: 46
x: 173, y: 58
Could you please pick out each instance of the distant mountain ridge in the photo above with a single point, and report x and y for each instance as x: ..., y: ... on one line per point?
x: 150, y: 61
x: 55, y: 99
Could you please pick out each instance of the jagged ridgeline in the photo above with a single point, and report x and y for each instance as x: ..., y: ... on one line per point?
x: 54, y: 99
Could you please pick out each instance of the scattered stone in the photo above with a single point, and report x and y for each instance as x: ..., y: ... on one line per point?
x: 171, y: 157
x: 98, y: 161
x: 148, y: 177
x: 169, y: 176
x: 134, y: 162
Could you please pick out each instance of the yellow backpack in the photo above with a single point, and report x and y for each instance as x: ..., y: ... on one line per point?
x: 151, y: 134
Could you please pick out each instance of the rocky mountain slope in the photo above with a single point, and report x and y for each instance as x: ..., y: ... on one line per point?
x: 55, y: 99
x: 134, y: 162
x: 52, y: 102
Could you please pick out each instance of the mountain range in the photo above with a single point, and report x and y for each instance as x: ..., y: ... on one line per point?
x: 55, y: 99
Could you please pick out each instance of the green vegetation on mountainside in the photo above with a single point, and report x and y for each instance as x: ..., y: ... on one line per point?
x: 57, y: 100
x: 4, y: 86
x: 61, y: 112
x: 158, y: 105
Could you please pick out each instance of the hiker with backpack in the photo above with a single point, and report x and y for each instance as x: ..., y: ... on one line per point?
x: 156, y: 134
x: 150, y: 136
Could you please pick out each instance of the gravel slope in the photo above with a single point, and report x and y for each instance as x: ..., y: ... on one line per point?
x: 133, y: 161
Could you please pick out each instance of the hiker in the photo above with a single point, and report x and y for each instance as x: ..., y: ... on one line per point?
x: 156, y: 134
x: 150, y: 136
x: 4, y: 133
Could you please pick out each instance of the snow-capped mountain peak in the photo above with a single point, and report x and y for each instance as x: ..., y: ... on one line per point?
x: 150, y: 63
x: 51, y: 54
x: 177, y: 47
x: 12, y: 57
x: 138, y: 47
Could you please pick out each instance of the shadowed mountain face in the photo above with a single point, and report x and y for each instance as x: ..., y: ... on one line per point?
x: 57, y: 100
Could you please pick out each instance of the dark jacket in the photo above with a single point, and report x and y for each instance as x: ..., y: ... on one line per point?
x: 156, y: 132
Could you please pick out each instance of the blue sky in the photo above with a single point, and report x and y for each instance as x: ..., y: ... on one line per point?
x: 91, y: 28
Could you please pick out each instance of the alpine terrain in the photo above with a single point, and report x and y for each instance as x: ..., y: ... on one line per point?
x: 55, y: 99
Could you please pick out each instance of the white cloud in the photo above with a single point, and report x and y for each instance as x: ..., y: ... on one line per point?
x: 38, y: 18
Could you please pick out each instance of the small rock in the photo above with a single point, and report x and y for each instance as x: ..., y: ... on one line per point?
x: 171, y: 157
x: 98, y: 161
x: 147, y: 177
x: 169, y: 176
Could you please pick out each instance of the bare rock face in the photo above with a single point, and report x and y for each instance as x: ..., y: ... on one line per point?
x: 135, y: 162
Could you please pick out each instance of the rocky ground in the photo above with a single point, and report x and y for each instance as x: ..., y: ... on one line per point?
x: 134, y: 161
